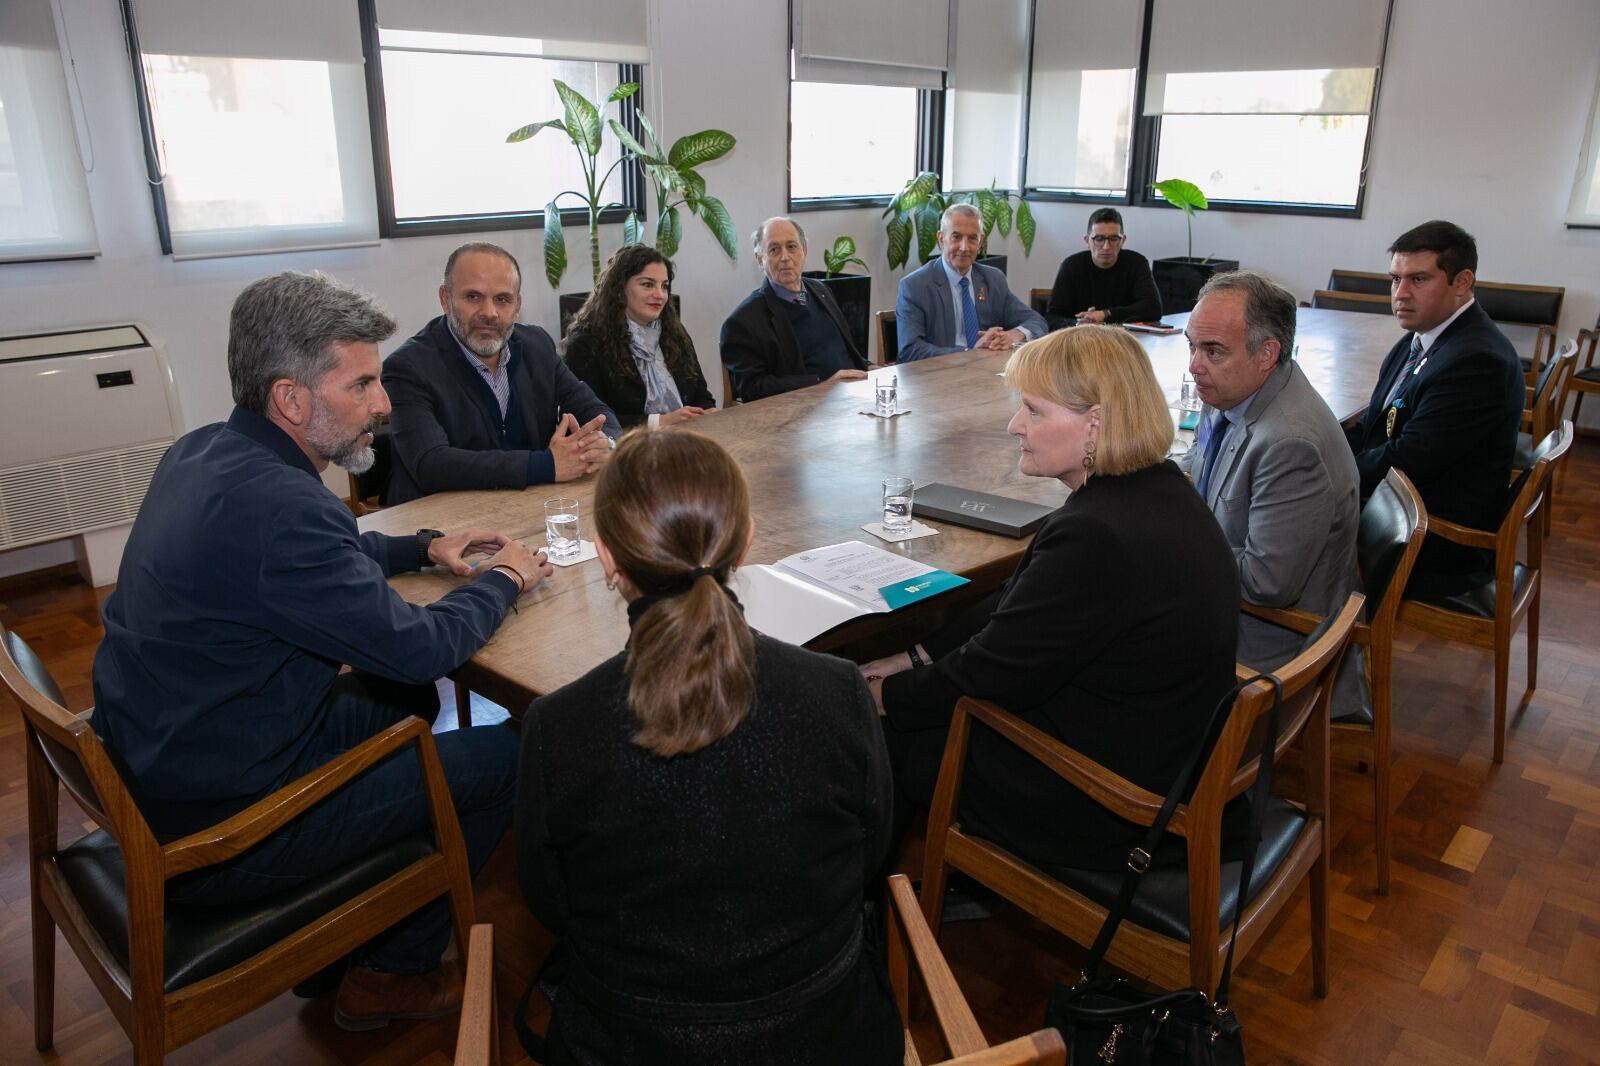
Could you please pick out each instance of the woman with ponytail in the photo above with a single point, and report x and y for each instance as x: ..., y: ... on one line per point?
x: 697, y: 817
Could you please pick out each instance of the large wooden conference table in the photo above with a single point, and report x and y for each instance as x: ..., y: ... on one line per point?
x: 815, y: 466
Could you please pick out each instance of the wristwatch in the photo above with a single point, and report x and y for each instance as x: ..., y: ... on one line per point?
x: 425, y: 537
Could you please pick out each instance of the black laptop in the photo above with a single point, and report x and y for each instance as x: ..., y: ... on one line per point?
x: 979, y: 510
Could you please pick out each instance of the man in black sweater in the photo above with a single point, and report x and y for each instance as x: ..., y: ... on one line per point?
x: 1106, y: 283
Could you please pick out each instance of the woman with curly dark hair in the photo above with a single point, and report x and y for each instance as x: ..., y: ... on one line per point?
x: 628, y: 345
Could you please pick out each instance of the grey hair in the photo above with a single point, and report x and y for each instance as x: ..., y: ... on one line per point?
x: 958, y: 209
x: 480, y: 246
x: 761, y: 232
x: 285, y: 326
x: 1269, y: 309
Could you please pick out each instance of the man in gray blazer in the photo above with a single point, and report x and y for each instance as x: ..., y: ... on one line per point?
x: 1272, y: 463
x: 954, y: 303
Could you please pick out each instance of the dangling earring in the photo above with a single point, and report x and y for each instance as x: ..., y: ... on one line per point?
x: 1088, y: 454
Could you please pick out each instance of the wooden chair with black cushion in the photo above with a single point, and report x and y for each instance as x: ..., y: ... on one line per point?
x: 1489, y: 614
x: 909, y: 940
x: 1393, y: 524
x: 1532, y: 305
x: 1545, y: 402
x: 1179, y: 924
x: 1364, y: 281
x: 1585, y: 379
x: 478, y: 1039
x: 1039, y: 300
x: 171, y: 972
x: 1351, y: 301
x: 888, y: 338
x: 367, y: 487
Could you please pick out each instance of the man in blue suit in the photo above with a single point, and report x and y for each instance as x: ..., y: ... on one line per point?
x: 954, y: 303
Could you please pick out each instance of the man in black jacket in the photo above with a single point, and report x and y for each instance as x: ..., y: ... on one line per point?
x: 789, y: 333
x: 1104, y: 283
x: 1447, y: 403
x: 484, y: 402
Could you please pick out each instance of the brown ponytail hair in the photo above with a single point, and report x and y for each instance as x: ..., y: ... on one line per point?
x: 668, y: 505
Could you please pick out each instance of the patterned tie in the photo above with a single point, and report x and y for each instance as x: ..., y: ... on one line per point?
x: 1412, y: 359
x: 800, y: 298
x: 1219, y: 430
x: 969, y: 314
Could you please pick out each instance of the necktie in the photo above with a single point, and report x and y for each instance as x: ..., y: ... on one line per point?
x: 1219, y: 429
x: 1412, y: 359
x: 969, y: 314
x: 800, y: 298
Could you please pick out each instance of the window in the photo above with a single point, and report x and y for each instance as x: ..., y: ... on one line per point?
x: 257, y: 125
x: 1584, y: 210
x: 860, y: 80
x: 445, y: 100
x: 44, y: 198
x: 983, y: 97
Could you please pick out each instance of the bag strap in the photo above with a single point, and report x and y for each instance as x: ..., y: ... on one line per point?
x: 1139, y: 857
x: 1260, y: 792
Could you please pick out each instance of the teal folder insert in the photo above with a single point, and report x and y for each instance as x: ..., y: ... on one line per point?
x: 931, y: 584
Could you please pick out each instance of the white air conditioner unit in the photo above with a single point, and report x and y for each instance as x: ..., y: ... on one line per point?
x: 85, y: 417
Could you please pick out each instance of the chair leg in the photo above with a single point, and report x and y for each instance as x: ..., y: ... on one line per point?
x: 1319, y: 919
x: 463, y: 706
x: 44, y: 974
x: 1533, y: 643
x: 1502, y: 667
x: 1382, y: 744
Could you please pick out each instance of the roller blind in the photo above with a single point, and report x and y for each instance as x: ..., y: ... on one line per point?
x: 872, y: 42
x: 1584, y: 210
x: 1299, y: 57
x: 983, y: 105
x: 259, y: 113
x: 44, y: 197
x: 605, y: 31
x: 1085, y: 62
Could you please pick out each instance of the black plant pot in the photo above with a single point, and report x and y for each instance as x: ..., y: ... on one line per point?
x: 570, y: 303
x: 1180, y: 277
x: 853, y: 294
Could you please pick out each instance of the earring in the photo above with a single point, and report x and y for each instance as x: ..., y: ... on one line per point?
x: 1088, y: 454
x: 611, y: 583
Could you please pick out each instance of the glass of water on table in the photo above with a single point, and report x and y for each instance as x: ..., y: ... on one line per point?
x: 897, y: 493
x: 561, y: 529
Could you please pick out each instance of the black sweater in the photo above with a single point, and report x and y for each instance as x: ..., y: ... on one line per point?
x: 1126, y: 291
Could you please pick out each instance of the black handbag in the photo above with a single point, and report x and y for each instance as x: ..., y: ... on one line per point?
x: 1105, y: 1020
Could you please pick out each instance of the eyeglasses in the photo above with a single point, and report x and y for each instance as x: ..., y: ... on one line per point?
x: 1103, y: 241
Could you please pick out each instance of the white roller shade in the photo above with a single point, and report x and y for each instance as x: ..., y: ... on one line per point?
x: 872, y: 42
x: 1212, y: 56
x: 281, y: 29
x: 605, y: 31
x: 983, y: 107
x: 44, y: 198
x: 1584, y: 210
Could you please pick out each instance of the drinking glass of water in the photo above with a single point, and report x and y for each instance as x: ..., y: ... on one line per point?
x: 897, y: 493
x: 885, y: 385
x: 1188, y: 395
x: 561, y: 529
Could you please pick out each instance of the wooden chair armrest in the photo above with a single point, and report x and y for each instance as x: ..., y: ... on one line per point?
x: 1459, y: 534
x: 1302, y: 622
x: 475, y: 1039
x: 956, y: 1022
x: 1112, y: 791
x: 250, y: 826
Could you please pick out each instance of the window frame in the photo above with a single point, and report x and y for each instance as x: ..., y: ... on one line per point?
x: 929, y: 152
x: 634, y: 199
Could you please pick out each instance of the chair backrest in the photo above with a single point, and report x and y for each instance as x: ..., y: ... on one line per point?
x: 1393, y: 524
x: 477, y: 1039
x: 1587, y: 340
x: 1039, y: 300
x: 728, y: 398
x: 1373, y: 284
x: 1351, y: 301
x: 1545, y: 407
x: 1534, y: 305
x: 1526, y: 492
x: 888, y: 338
x: 367, y: 487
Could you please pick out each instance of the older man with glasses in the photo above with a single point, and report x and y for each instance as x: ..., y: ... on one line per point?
x: 1105, y: 283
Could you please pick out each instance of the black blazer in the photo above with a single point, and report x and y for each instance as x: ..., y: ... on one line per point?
x: 446, y: 425
x: 624, y: 392
x: 1116, y: 635
x: 1455, y: 430
x: 694, y: 888
x: 759, y: 349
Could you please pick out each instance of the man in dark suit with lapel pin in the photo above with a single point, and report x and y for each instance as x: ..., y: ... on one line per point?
x: 1447, y: 404
x: 955, y: 303
x: 789, y: 333
x: 481, y: 401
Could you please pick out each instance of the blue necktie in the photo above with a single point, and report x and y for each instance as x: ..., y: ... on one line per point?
x: 1219, y: 429
x: 1412, y: 359
x: 969, y: 314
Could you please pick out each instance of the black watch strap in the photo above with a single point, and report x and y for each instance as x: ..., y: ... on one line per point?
x: 425, y: 537
x: 916, y: 660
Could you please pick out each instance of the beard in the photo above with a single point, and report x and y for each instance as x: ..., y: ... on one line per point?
x: 481, y: 349
x: 327, y: 437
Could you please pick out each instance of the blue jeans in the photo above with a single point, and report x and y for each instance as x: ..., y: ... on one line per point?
x: 383, y: 805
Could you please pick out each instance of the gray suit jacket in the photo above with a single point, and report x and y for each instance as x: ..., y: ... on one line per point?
x: 925, y: 314
x: 1286, y: 494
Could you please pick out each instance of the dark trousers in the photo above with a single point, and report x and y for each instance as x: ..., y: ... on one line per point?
x: 383, y: 805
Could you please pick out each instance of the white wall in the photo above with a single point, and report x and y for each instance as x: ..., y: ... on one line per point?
x: 1480, y: 120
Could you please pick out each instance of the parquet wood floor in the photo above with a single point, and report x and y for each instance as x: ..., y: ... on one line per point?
x: 1487, y: 950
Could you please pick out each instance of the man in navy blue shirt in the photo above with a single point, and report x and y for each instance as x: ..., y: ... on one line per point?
x: 244, y: 588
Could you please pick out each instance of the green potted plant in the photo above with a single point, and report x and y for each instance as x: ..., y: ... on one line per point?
x: 1179, y: 278
x: 672, y: 174
x: 916, y: 209
x: 852, y: 292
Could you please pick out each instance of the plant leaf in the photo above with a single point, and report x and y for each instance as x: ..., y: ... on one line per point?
x: 1182, y: 194
x: 669, y: 232
x: 631, y: 233
x: 621, y: 133
x: 692, y: 149
x: 899, y: 231
x: 1002, y: 216
x: 555, y: 245
x: 916, y: 192
x: 650, y: 132
x: 623, y: 91
x: 524, y: 132
x: 1026, y: 226
x: 664, y: 175
x: 844, y: 248
x: 583, y: 121
x: 927, y: 219
x: 694, y: 186
x: 720, y: 222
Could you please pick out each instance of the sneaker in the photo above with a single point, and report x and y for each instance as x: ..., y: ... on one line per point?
x: 370, y: 999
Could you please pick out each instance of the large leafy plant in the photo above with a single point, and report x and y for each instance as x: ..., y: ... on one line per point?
x: 841, y: 255
x: 916, y: 209
x: 1187, y: 197
x: 672, y: 173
